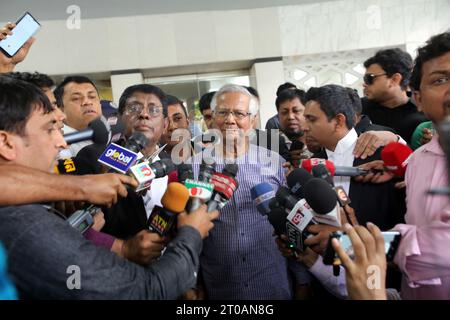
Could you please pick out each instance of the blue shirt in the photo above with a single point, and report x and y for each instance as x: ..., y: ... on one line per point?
x: 240, y: 259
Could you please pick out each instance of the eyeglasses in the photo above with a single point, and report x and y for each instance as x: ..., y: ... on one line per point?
x: 370, y: 77
x: 240, y: 115
x: 136, y: 109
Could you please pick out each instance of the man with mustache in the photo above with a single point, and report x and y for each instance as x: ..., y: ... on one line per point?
x: 142, y: 108
x: 78, y: 97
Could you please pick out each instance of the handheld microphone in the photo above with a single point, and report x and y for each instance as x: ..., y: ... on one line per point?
x: 185, y: 172
x: 201, y: 190
x: 297, y: 180
x: 144, y: 173
x: 322, y: 198
x: 121, y: 158
x: 277, y: 218
x: 174, y: 201
x: 74, y: 166
x: 337, y: 171
x: 225, y: 185
x: 321, y: 172
x: 395, y: 157
x: 98, y: 130
x: 262, y: 194
x: 299, y: 216
x: 285, y: 198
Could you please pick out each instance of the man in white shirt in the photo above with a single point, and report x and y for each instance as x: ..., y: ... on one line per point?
x: 330, y: 120
x: 78, y: 97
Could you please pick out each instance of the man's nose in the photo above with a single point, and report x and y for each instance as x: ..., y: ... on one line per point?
x: 144, y: 114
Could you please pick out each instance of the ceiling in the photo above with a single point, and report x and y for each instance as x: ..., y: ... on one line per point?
x: 56, y: 9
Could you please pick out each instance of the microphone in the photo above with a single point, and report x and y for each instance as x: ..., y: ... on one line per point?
x: 395, y: 157
x: 184, y: 171
x: 297, y: 180
x: 261, y: 195
x: 225, y: 185
x: 299, y: 216
x: 121, y: 158
x: 173, y: 201
x: 98, y: 130
x: 201, y: 190
x: 321, y: 172
x: 144, y: 173
x: 285, y: 198
x: 337, y: 171
x: 322, y: 198
x: 74, y: 166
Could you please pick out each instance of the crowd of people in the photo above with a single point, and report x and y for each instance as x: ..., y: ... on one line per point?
x: 220, y: 244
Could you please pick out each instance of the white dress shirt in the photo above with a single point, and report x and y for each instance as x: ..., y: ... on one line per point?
x: 154, y: 195
x: 343, y: 156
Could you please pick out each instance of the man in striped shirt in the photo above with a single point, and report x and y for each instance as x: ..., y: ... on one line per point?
x: 240, y: 259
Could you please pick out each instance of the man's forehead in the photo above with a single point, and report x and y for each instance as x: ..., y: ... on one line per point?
x: 74, y: 87
x: 374, y: 67
x: 232, y: 99
x: 175, y: 108
x: 438, y: 64
x: 143, y: 97
x: 313, y: 107
x: 291, y: 103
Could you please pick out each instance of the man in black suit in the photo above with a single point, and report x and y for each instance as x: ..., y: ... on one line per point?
x: 330, y: 120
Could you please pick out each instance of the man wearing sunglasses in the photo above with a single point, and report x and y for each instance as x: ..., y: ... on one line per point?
x: 386, y: 101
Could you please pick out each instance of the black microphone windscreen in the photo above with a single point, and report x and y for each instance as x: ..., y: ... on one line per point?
x: 320, y: 196
x: 231, y: 170
x: 277, y: 218
x: 321, y: 171
x: 168, y: 165
x: 207, y: 169
x: 136, y: 142
x: 185, y: 172
x: 75, y: 166
x: 282, y: 194
x: 297, y: 180
x: 102, y: 130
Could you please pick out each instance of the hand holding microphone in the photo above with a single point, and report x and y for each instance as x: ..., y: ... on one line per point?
x: 199, y: 219
x: 174, y: 201
x: 393, y: 163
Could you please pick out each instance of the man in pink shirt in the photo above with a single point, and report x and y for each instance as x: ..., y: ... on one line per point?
x: 424, y: 255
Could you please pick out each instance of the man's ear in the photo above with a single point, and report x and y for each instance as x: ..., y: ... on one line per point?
x: 340, y: 120
x: 397, y: 78
x: 166, y: 124
x: 418, y: 99
x: 7, y: 146
x: 253, y: 121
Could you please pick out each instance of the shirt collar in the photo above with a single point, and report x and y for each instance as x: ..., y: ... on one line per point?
x: 345, y: 143
x: 433, y: 146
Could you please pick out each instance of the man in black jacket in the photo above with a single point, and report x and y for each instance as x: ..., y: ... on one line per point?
x: 386, y: 101
x: 330, y: 119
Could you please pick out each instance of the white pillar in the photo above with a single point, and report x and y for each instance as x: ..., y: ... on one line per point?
x: 119, y: 82
x: 266, y: 77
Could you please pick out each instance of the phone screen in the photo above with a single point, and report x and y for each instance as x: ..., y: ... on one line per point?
x: 25, y: 28
x: 391, y: 240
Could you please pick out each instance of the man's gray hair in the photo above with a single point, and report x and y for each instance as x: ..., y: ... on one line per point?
x: 253, y: 105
